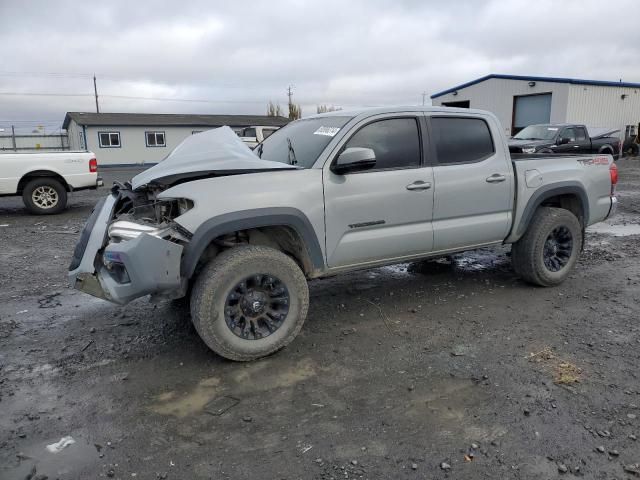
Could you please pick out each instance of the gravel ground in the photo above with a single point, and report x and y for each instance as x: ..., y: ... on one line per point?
x: 438, y: 370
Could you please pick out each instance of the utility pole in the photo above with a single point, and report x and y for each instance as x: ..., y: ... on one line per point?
x: 13, y: 138
x: 290, y: 94
x: 424, y: 95
x: 95, y: 92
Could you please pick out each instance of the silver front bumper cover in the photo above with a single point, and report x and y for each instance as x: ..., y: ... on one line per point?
x: 152, y: 264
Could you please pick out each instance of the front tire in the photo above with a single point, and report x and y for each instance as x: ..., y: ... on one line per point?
x: 249, y: 302
x: 550, y: 247
x: 44, y: 196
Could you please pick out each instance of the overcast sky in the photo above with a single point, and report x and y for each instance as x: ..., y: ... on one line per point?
x: 241, y: 54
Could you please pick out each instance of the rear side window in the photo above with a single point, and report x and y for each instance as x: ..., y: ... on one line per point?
x: 569, y: 133
x: 395, y: 141
x: 581, y: 135
x: 461, y: 140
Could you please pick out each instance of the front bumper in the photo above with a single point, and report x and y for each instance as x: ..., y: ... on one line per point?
x: 123, y: 271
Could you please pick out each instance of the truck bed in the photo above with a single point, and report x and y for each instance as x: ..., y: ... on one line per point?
x: 539, y: 174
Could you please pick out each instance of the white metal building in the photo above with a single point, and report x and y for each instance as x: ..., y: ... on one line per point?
x: 142, y: 138
x: 519, y: 101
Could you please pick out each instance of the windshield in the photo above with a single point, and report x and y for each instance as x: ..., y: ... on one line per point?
x: 537, y: 132
x: 301, y: 142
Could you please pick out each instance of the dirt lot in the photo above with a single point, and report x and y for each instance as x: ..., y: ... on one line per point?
x: 431, y: 371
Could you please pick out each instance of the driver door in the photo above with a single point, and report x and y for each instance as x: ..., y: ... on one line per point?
x: 382, y: 213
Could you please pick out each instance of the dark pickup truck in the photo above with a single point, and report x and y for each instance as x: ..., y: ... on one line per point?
x: 563, y: 138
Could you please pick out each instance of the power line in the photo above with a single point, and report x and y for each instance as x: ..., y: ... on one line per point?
x: 114, y: 78
x: 167, y: 99
x: 125, y: 97
x: 33, y: 94
x: 42, y: 74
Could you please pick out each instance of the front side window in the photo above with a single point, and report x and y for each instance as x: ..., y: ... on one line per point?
x: 396, y: 142
x: 462, y: 140
x: 155, y: 139
x: 109, y: 139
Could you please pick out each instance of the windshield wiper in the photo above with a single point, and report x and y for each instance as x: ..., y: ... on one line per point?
x: 292, y: 153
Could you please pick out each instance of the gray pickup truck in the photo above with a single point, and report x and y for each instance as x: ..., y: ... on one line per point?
x: 239, y: 232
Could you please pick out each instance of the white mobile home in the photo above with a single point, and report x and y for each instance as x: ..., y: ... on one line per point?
x: 141, y: 138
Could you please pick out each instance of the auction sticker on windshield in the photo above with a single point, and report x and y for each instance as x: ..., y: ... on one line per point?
x: 328, y: 131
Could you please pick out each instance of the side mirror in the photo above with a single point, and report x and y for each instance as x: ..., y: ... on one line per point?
x: 563, y: 141
x: 354, y: 159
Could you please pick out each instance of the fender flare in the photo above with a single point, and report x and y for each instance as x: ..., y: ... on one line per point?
x: 253, y: 218
x: 553, y: 190
x: 44, y: 172
x: 608, y: 147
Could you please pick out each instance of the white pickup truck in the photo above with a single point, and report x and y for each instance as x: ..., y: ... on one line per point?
x: 44, y: 178
x: 253, y: 136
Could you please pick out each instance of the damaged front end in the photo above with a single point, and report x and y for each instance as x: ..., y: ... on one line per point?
x: 132, y: 244
x: 131, y: 247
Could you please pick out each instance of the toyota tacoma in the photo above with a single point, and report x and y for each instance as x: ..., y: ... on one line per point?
x: 239, y: 232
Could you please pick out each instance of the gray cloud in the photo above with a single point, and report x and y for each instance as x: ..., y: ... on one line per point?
x: 246, y: 53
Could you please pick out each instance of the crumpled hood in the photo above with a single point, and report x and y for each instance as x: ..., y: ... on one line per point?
x: 211, y: 153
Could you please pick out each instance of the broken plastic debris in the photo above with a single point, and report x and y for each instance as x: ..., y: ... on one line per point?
x: 219, y: 405
x: 63, y: 443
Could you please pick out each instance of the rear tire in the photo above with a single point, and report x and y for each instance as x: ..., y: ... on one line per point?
x: 249, y: 302
x: 549, y: 249
x: 44, y: 196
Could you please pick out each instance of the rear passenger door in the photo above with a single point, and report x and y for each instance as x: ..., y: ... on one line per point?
x: 473, y: 177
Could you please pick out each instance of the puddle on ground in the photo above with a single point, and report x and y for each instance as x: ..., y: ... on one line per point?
x: 446, y: 405
x: 471, y: 261
x: 479, y: 260
x: 257, y: 376
x: 181, y: 405
x: 67, y: 463
x: 615, y: 230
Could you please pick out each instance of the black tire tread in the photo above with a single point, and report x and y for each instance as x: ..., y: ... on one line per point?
x: 526, y: 250
x: 205, y: 285
x: 38, y: 181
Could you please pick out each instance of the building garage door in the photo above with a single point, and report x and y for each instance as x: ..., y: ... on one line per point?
x: 530, y: 110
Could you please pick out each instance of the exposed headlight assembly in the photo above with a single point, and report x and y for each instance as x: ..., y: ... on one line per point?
x: 126, y: 230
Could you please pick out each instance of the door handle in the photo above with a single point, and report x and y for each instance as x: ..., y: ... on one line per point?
x: 496, y: 178
x: 419, y: 185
